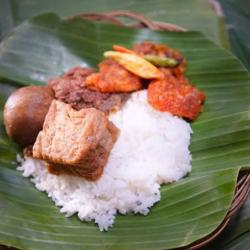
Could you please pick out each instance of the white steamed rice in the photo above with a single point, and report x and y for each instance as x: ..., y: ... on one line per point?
x: 152, y: 149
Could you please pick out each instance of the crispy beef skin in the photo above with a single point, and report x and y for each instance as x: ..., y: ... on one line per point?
x: 75, y: 142
x: 70, y: 88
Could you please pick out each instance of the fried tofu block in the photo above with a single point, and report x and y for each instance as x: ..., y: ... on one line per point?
x: 76, y: 142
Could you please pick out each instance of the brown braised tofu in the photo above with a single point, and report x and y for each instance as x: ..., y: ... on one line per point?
x: 75, y: 142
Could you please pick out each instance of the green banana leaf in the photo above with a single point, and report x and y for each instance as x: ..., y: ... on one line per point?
x: 192, y: 14
x: 190, y: 209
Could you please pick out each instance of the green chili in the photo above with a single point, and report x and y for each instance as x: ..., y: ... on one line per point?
x: 161, y: 61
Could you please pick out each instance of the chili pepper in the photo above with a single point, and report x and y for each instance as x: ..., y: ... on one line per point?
x: 122, y: 49
x: 161, y: 61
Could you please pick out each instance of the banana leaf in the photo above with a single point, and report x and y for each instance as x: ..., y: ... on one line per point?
x: 190, y: 209
x: 192, y: 14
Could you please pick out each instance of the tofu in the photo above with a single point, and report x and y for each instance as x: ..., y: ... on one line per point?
x: 75, y: 142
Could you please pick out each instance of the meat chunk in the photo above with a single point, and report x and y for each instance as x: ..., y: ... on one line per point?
x: 176, y: 96
x: 76, y: 142
x: 113, y: 78
x: 70, y: 88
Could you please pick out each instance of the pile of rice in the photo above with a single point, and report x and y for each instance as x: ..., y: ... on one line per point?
x: 152, y: 149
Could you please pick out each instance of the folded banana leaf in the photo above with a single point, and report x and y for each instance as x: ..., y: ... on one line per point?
x: 190, y: 209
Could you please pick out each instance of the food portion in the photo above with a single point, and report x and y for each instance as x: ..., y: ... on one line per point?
x: 24, y: 113
x: 71, y: 88
x: 175, y: 95
x: 104, y: 141
x: 152, y: 149
x: 77, y: 142
x: 113, y: 78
